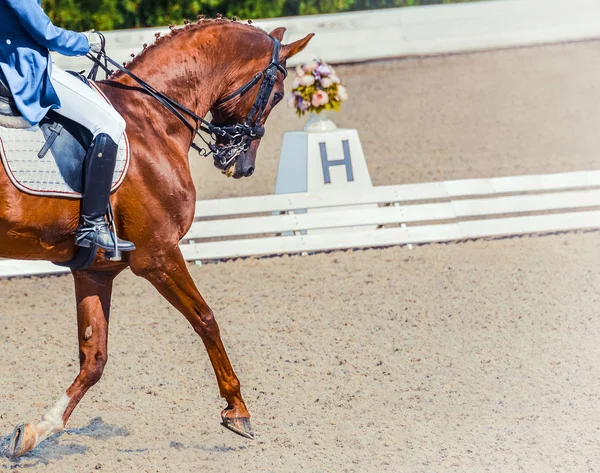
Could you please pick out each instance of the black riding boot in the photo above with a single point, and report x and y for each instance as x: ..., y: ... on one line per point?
x: 98, y: 172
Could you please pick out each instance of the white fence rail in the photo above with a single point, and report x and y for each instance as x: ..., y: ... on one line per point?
x: 434, y: 212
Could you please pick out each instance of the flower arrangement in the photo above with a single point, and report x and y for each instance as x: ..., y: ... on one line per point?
x: 316, y: 88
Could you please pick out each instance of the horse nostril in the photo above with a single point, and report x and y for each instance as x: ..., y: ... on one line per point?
x: 249, y: 171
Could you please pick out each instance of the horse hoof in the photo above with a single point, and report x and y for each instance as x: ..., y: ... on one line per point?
x: 22, y: 441
x: 16, y: 442
x: 239, y: 425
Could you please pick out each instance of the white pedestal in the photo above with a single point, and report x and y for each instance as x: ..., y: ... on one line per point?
x: 317, y: 162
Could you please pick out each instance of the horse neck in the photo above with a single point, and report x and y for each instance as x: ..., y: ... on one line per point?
x: 195, y: 64
x: 184, y: 73
x: 190, y: 76
x: 193, y: 67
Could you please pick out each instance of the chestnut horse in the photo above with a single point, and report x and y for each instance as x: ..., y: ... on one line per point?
x: 196, y: 66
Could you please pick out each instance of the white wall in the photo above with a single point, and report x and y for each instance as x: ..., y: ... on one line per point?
x: 379, y: 34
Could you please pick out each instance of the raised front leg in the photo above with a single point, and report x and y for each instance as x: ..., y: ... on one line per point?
x: 168, y: 272
x: 93, y: 292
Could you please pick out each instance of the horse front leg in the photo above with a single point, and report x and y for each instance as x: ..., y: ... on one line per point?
x: 93, y: 292
x: 167, y: 271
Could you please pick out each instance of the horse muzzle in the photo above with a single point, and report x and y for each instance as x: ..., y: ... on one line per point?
x: 242, y: 166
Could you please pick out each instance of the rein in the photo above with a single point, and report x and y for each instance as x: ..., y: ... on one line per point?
x: 239, y: 136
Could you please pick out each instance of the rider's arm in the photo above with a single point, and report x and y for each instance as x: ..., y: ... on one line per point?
x: 40, y: 28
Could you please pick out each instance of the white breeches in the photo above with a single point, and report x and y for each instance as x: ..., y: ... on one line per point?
x: 83, y: 105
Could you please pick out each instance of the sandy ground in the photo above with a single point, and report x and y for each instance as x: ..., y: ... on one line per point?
x: 501, y: 113
x: 467, y: 357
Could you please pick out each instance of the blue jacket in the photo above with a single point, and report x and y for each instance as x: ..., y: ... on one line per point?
x: 26, y: 37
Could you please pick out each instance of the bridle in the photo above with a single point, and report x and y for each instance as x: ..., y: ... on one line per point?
x: 241, y: 136
x: 235, y: 139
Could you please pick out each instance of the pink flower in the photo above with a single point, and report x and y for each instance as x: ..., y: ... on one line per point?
x: 342, y: 93
x: 320, y: 98
x: 296, y: 83
x: 335, y: 78
x: 299, y: 71
x: 310, y: 66
x: 326, y: 82
x: 307, y: 80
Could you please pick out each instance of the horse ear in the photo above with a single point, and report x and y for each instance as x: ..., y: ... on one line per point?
x: 277, y: 33
x: 294, y: 48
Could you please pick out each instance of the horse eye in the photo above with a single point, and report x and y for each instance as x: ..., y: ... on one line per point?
x: 277, y: 97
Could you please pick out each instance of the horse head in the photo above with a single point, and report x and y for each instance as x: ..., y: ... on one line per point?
x: 254, y: 87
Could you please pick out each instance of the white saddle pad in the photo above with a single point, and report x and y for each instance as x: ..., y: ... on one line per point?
x: 19, y: 149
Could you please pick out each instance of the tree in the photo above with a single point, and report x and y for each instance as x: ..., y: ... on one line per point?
x: 114, y: 14
x: 141, y: 13
x: 84, y: 15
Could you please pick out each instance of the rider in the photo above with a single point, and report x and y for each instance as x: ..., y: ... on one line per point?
x: 26, y: 38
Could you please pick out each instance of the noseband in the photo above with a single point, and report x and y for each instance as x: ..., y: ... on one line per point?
x: 238, y: 137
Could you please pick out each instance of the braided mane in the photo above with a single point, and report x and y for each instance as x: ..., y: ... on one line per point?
x: 188, y: 26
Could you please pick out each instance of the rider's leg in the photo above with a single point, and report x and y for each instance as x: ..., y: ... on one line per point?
x: 82, y: 105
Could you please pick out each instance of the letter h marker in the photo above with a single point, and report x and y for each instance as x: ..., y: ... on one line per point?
x: 347, y: 162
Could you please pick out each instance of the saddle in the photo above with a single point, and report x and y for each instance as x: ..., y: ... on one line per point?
x: 48, y: 159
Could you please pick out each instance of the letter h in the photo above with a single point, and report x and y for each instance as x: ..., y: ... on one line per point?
x: 338, y: 162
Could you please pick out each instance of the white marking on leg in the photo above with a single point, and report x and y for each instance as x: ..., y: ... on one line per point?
x: 54, y: 415
x: 52, y: 421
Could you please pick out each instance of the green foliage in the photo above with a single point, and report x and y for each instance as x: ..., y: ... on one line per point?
x: 141, y: 13
x: 114, y: 14
x: 313, y: 7
x: 372, y: 4
x: 86, y: 14
x: 250, y: 8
